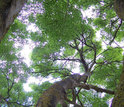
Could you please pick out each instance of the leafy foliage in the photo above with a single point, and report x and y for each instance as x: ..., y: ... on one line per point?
x: 66, y: 42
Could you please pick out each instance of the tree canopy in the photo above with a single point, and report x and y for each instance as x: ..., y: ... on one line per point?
x: 67, y: 37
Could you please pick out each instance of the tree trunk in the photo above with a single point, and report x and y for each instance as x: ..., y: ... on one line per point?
x: 119, y: 8
x: 118, y: 100
x: 9, y: 10
x: 57, y: 92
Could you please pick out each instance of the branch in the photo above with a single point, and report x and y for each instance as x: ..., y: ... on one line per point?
x: 72, y: 102
x: 82, y: 60
x: 74, y: 95
x: 19, y: 104
x: 80, y: 101
x: 107, y: 62
x: 10, y: 87
x: 81, y: 57
x: 94, y: 59
x: 98, y: 89
x: 54, y: 71
x: 85, y: 41
x: 116, y: 33
x: 68, y: 59
x: 93, y: 48
x: 79, y: 98
x: 74, y: 99
x: 113, y: 22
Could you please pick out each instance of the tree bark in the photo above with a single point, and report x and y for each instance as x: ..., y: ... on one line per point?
x: 57, y: 92
x: 118, y: 100
x: 9, y: 10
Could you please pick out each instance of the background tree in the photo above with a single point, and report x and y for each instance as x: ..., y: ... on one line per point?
x: 14, y: 71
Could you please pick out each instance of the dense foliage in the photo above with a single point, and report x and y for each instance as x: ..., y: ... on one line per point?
x: 68, y: 36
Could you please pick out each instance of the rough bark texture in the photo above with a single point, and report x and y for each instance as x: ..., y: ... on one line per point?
x: 9, y: 10
x: 119, y: 8
x: 57, y: 92
x: 118, y: 100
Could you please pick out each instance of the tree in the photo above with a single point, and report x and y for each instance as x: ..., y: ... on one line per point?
x: 13, y: 70
x: 67, y: 42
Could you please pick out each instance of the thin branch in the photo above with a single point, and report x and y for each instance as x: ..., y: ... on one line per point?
x: 94, y: 59
x: 9, y: 89
x: 54, y: 71
x: 93, y: 48
x: 116, y: 33
x: 74, y: 95
x: 113, y: 22
x: 80, y: 101
x: 107, y: 62
x: 68, y: 59
x: 79, y: 98
x: 19, y: 104
x: 82, y: 60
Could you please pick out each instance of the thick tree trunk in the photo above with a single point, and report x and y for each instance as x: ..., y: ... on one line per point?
x: 9, y: 10
x: 57, y: 92
x: 118, y: 100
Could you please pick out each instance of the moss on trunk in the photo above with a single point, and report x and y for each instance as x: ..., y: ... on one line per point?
x: 118, y: 100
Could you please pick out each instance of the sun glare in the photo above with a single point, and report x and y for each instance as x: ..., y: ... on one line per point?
x: 29, y: 81
x: 26, y: 53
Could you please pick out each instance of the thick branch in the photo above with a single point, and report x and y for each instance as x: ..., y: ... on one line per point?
x: 98, y: 89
